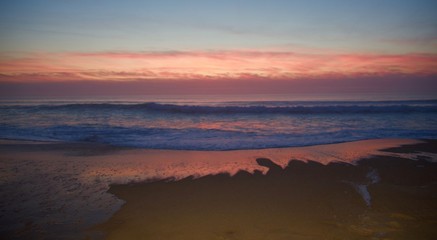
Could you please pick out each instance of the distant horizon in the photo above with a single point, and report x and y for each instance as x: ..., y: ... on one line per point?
x: 395, y: 86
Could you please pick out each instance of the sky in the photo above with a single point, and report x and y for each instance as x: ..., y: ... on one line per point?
x: 266, y: 43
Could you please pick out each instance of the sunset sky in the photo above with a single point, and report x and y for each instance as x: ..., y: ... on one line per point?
x: 57, y: 43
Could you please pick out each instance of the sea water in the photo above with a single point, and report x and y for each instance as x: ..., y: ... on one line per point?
x: 216, y: 122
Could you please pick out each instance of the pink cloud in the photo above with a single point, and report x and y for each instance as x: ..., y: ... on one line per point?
x: 248, y: 64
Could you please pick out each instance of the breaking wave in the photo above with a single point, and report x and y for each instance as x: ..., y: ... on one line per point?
x: 271, y: 108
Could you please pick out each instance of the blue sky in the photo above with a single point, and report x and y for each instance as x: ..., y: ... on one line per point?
x: 402, y: 26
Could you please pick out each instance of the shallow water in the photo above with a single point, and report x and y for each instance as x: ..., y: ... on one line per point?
x: 209, y: 123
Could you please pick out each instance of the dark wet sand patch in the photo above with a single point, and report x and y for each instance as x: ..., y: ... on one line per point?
x: 306, y: 200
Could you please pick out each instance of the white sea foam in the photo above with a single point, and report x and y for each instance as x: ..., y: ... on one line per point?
x: 364, y: 192
x: 362, y: 189
x: 373, y: 176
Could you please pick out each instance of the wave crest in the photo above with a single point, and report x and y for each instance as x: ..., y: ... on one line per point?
x: 253, y: 109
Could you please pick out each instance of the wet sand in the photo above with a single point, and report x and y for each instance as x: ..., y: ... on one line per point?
x: 60, y: 191
x: 380, y: 197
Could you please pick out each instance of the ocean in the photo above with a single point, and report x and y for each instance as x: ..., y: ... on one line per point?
x: 216, y: 122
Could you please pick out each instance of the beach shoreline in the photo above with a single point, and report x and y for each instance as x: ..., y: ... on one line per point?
x: 380, y: 197
x: 69, y: 193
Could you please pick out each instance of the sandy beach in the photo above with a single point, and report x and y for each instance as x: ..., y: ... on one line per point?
x: 355, y: 190
x: 380, y: 197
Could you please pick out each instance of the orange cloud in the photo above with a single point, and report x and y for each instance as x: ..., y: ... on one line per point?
x: 190, y: 65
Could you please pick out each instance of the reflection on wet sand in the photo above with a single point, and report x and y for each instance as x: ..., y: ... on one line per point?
x: 56, y: 191
x: 305, y: 200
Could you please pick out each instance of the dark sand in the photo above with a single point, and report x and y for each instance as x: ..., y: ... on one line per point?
x: 60, y: 191
x: 305, y: 200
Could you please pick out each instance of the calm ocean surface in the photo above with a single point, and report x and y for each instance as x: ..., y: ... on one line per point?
x: 216, y: 122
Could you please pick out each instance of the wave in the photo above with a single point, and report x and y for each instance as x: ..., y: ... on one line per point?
x: 244, y: 108
x: 196, y: 138
x: 287, y: 109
